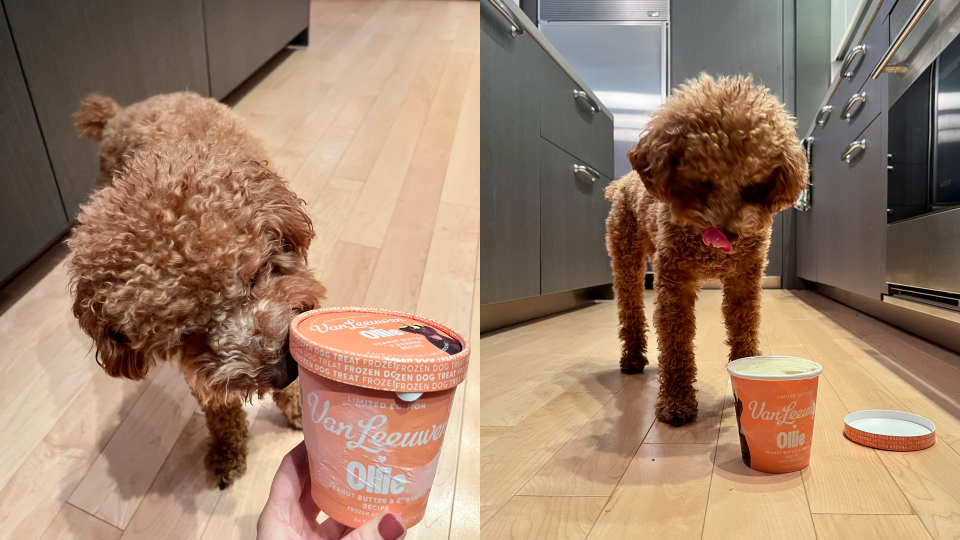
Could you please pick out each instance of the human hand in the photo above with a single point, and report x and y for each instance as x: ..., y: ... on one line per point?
x: 291, y: 514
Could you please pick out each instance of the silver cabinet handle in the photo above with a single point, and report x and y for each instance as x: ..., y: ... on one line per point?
x: 515, y: 27
x: 855, y: 148
x: 847, y: 72
x: 847, y: 113
x: 580, y: 94
x: 882, y: 66
x: 589, y: 171
x: 824, y: 115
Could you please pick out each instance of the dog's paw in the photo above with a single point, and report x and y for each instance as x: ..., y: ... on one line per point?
x: 632, y: 364
x: 288, y: 401
x: 676, y: 413
x: 226, y: 462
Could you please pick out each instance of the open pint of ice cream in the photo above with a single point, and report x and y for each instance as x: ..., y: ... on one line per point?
x: 775, y: 398
x: 377, y: 389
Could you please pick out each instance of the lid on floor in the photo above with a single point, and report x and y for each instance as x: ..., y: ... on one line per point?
x: 379, y: 349
x: 890, y: 430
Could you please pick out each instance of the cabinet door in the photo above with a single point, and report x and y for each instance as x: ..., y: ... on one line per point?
x: 243, y: 34
x: 509, y: 161
x: 31, y: 214
x: 827, y: 203
x: 573, y: 210
x: 126, y: 49
x: 863, y: 237
x: 853, y: 235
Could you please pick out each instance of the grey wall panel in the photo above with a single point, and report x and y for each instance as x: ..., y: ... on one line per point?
x: 509, y: 161
x: 813, y: 59
x: 31, y: 214
x: 736, y: 37
x: 727, y: 38
x: 126, y: 49
x: 243, y: 34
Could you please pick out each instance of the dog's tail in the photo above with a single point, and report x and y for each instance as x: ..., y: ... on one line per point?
x: 92, y: 116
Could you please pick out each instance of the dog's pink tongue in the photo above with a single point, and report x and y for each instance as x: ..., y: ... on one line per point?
x: 715, y: 237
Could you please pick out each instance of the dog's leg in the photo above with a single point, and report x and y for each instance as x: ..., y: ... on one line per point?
x: 227, y: 455
x: 675, y: 321
x: 628, y: 260
x: 288, y: 400
x: 741, y: 309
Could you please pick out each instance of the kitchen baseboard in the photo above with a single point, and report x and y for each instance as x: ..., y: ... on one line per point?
x: 504, y: 314
x: 942, y: 330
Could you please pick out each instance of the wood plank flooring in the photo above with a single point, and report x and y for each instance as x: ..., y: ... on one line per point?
x: 376, y: 125
x: 570, y: 448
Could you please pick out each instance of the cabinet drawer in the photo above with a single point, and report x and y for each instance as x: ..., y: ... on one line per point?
x: 875, y: 43
x: 864, y: 106
x: 573, y: 212
x: 568, y: 122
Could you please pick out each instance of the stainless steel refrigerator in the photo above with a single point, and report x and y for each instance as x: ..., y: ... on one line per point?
x: 619, y: 48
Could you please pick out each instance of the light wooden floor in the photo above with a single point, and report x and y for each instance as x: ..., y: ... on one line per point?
x: 570, y: 448
x: 376, y: 124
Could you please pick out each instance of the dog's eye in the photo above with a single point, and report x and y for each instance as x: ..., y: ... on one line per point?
x: 255, y: 278
x: 706, y: 183
x: 758, y: 193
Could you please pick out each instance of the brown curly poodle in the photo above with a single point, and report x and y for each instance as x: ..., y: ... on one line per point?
x: 715, y: 164
x: 193, y: 250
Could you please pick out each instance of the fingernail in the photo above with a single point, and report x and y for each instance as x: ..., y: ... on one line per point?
x: 390, y: 527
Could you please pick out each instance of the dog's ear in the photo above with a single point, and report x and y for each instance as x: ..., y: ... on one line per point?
x: 655, y: 160
x: 117, y: 358
x: 287, y: 216
x: 114, y: 352
x: 788, y: 179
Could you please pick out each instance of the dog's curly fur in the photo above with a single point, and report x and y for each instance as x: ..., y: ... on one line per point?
x: 719, y: 153
x: 193, y: 250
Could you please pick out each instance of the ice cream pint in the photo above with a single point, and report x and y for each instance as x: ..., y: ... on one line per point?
x: 775, y: 399
x: 377, y: 388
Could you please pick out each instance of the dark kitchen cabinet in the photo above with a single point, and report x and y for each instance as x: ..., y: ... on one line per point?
x: 126, y: 49
x: 573, y: 212
x: 541, y: 223
x: 509, y: 161
x: 243, y: 34
x: 841, y: 240
x: 31, y: 214
x: 857, y: 243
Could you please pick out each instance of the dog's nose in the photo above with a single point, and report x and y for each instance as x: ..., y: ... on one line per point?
x: 285, y: 373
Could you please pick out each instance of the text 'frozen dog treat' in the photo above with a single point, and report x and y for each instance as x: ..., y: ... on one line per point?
x: 377, y: 389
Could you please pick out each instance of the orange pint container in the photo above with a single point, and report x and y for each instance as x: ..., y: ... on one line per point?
x: 775, y: 412
x: 377, y: 388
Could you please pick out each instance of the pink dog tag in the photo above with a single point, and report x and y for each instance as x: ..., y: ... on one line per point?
x: 715, y: 237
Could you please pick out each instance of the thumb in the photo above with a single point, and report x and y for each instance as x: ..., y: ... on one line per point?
x: 385, y: 526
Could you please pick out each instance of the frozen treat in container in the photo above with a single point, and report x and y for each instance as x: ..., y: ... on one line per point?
x: 377, y: 389
x: 775, y: 398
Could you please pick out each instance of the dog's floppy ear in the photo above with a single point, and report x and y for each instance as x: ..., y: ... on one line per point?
x: 654, y: 159
x: 286, y: 216
x: 788, y: 179
x: 114, y: 352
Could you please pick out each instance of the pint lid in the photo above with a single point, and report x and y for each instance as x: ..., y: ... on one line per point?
x: 379, y: 349
x: 890, y: 430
